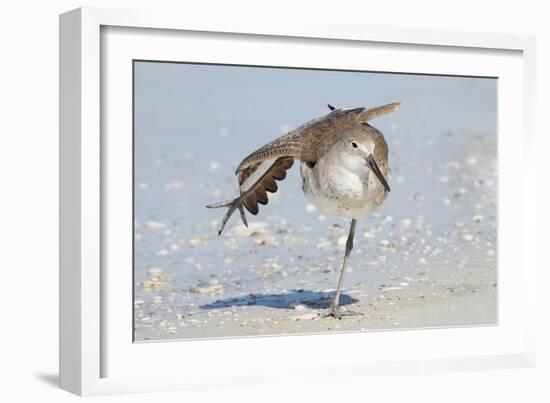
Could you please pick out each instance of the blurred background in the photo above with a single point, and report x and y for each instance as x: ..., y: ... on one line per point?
x: 193, y: 124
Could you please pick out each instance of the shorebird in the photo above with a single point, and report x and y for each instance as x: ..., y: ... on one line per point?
x: 344, y: 169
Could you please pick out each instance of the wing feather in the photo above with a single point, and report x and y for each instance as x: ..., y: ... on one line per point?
x: 257, y: 193
x: 312, y: 139
x: 307, y: 143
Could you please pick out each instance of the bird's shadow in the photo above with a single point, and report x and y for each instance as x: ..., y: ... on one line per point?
x: 311, y: 299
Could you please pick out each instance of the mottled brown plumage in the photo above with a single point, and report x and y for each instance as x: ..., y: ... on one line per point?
x: 344, y: 170
x: 307, y: 143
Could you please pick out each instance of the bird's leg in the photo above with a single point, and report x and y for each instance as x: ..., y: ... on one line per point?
x: 349, y: 247
x: 238, y: 203
x: 335, y: 309
x: 232, y: 205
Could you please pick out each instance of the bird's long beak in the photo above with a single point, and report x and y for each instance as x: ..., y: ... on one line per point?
x: 371, y: 163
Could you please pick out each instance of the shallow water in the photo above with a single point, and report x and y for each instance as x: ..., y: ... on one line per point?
x: 193, y: 125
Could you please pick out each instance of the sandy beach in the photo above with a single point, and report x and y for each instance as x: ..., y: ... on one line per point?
x: 279, y: 279
x: 426, y: 258
x: 424, y: 303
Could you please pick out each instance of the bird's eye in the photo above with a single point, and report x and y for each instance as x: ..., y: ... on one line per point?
x: 354, y: 144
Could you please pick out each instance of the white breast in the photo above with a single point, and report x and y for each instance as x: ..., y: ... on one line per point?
x: 337, y: 191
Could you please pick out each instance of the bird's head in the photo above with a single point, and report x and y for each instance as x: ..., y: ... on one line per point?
x: 357, y: 149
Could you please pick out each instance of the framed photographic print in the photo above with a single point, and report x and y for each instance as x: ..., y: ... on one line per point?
x: 238, y: 197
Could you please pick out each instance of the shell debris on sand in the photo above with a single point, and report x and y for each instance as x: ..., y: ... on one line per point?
x: 258, y: 231
x: 150, y: 284
x: 477, y: 218
x: 212, y: 288
x: 369, y: 234
x: 163, y: 252
x: 155, y: 225
x: 197, y: 241
x: 388, y: 244
x: 306, y: 316
x: 254, y: 228
x: 157, y: 274
x: 265, y: 240
x: 158, y: 279
x: 323, y: 244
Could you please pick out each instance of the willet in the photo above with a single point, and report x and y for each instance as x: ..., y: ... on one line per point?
x: 344, y: 169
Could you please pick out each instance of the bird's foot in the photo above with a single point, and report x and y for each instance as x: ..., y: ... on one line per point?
x: 337, y: 312
x: 231, y: 205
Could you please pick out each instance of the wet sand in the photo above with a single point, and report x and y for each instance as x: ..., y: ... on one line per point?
x: 277, y: 277
x: 458, y: 298
x: 426, y: 258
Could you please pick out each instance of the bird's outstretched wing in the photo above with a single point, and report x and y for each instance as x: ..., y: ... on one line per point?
x: 306, y: 143
x: 259, y: 171
x: 312, y: 139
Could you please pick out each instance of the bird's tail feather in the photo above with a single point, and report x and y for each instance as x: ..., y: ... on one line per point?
x: 372, y: 113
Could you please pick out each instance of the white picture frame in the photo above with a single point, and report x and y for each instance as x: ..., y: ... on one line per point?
x: 96, y: 355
